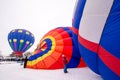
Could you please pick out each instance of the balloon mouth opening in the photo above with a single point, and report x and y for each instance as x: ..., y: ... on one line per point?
x: 42, y: 47
x: 36, y: 51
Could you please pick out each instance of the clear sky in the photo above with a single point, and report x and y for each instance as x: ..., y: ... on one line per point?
x: 37, y: 16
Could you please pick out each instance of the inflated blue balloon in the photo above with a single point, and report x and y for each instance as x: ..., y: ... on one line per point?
x: 98, y: 22
x: 20, y: 40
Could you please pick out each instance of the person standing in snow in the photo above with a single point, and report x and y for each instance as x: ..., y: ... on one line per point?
x: 25, y: 61
x: 65, y: 63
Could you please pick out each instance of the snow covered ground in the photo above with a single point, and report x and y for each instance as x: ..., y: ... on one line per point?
x: 15, y: 71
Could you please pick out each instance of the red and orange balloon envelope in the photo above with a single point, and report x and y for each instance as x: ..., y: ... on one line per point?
x: 48, y: 54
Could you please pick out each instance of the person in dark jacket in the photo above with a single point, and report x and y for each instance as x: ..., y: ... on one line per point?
x: 65, y: 63
x: 25, y: 61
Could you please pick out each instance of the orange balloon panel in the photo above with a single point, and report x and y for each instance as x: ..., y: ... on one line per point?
x: 56, y: 42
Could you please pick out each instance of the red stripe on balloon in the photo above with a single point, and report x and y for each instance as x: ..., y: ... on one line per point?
x: 104, y: 55
x: 88, y: 44
x: 110, y: 60
x: 74, y: 30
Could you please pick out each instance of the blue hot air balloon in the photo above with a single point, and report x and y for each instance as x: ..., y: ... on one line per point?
x: 20, y: 40
x: 98, y: 24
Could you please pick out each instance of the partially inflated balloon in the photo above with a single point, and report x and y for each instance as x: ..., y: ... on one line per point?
x: 55, y: 43
x: 20, y: 40
x: 98, y: 22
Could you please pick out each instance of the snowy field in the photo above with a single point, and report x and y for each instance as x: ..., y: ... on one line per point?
x: 15, y: 71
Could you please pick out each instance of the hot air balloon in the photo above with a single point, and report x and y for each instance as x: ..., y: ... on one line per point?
x: 48, y: 54
x: 20, y: 40
x: 98, y: 22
